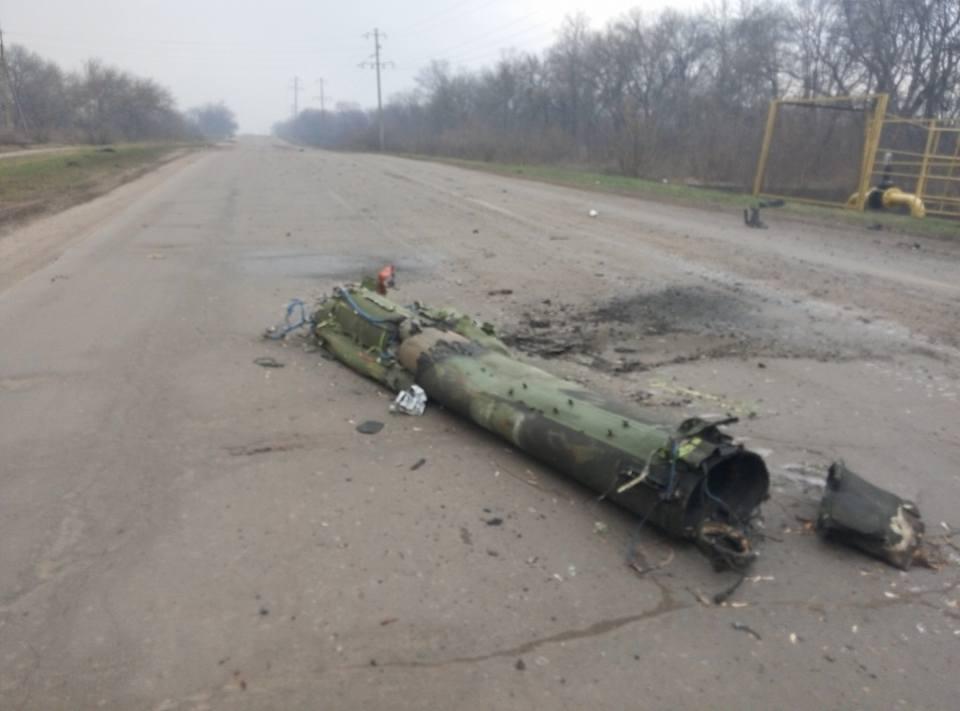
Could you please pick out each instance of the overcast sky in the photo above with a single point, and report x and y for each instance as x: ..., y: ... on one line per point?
x: 247, y: 53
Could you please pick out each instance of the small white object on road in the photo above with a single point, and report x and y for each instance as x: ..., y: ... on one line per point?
x: 593, y: 213
x: 412, y: 401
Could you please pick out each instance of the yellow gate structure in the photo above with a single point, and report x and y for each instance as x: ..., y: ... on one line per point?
x: 832, y: 151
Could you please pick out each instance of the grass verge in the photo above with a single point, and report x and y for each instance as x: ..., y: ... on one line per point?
x: 48, y: 182
x: 706, y: 198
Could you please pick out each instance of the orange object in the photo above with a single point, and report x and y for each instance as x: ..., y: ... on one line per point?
x: 385, y: 279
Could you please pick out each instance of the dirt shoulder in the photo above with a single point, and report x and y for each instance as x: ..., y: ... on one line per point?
x: 46, y: 182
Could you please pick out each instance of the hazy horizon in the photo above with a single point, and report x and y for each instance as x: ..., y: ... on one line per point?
x: 247, y: 56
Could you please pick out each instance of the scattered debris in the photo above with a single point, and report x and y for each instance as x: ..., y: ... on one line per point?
x: 740, y: 627
x: 520, y: 665
x: 500, y: 292
x: 855, y: 512
x: 599, y: 527
x: 725, y: 594
x: 495, y: 521
x: 370, y: 427
x: 593, y: 213
x: 250, y: 450
x: 417, y: 464
x: 388, y: 621
x: 638, y: 561
x: 268, y: 362
x: 412, y: 401
x: 751, y: 218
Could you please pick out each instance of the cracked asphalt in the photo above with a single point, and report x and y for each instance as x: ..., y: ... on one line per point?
x: 181, y: 528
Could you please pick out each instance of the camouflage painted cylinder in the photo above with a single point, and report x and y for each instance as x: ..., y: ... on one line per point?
x: 676, y: 480
x: 692, y: 482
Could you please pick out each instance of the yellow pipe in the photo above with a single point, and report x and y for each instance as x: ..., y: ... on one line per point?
x: 895, y: 197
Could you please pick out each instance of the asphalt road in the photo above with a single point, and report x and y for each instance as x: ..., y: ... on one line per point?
x: 183, y: 529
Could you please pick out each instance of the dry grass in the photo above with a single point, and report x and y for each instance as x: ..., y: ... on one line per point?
x: 48, y: 182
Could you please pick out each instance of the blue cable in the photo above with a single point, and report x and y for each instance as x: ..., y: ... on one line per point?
x: 304, y: 320
x: 360, y: 312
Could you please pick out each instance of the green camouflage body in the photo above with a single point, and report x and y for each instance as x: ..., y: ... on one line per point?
x: 674, y: 478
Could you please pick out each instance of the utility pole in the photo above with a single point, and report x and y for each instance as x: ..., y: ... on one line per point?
x: 322, y: 106
x: 378, y: 65
x: 296, y: 97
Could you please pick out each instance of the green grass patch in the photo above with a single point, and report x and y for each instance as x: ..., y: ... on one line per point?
x: 49, y: 181
x: 30, y: 177
x: 586, y: 179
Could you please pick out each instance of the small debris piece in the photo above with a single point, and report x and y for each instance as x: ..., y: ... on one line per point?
x: 417, y: 464
x: 268, y: 362
x: 855, y: 512
x: 412, y: 401
x: 500, y: 292
x: 495, y: 521
x: 751, y: 218
x: 264, y: 612
x: 593, y: 213
x: 520, y: 665
x: 599, y: 527
x: 740, y: 627
x: 388, y: 621
x: 370, y: 427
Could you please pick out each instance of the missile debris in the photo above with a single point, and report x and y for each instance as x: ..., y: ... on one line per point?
x: 693, y: 482
x: 855, y: 512
x: 410, y: 402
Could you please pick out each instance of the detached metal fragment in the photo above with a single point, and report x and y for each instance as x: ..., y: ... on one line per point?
x: 855, y: 512
x: 692, y: 482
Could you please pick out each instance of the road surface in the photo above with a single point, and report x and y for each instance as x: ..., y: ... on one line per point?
x: 183, y: 529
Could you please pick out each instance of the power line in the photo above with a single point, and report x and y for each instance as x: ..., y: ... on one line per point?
x: 377, y: 64
x: 441, y: 16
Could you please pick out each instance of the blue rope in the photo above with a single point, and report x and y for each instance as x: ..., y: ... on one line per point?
x: 360, y: 312
x: 294, y: 304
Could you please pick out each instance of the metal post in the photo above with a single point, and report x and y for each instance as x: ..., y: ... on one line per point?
x: 871, y: 141
x: 765, y: 149
x: 933, y: 143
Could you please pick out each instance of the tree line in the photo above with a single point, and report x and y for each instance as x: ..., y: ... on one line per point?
x: 672, y: 95
x: 97, y: 104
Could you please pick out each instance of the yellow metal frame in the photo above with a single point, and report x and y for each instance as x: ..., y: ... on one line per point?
x: 872, y: 132
x: 932, y: 176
